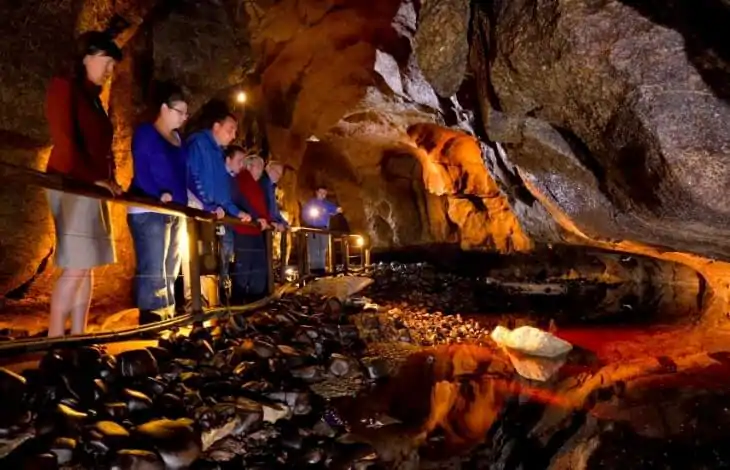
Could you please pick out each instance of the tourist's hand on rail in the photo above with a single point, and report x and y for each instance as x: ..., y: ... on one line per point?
x: 244, y: 217
x: 166, y: 197
x: 263, y: 223
x: 279, y: 227
x: 219, y: 212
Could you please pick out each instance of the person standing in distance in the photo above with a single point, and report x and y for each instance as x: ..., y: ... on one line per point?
x: 317, y: 213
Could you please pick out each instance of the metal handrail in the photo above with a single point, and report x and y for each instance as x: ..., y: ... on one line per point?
x: 62, y: 183
x: 67, y: 185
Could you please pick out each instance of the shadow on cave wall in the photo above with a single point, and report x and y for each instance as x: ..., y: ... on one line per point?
x: 402, y: 174
x: 704, y: 26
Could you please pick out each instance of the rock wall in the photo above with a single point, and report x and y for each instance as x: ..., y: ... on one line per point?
x: 614, y: 120
x: 348, y: 106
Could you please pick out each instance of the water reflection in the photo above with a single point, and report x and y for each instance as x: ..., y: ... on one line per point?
x: 448, y: 400
x: 456, y: 392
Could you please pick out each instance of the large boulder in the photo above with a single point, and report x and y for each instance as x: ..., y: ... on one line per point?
x: 619, y: 126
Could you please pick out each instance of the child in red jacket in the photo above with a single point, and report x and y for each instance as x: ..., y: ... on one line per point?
x: 250, y: 267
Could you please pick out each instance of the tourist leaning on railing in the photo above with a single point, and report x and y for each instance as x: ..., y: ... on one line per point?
x: 209, y: 185
x: 234, y: 163
x: 250, y: 267
x: 269, y: 179
x: 160, y: 172
x: 82, y: 135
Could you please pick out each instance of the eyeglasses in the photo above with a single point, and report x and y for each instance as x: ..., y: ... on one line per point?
x: 182, y: 113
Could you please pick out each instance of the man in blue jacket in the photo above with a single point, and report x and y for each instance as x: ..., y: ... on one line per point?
x: 209, y: 180
x: 316, y: 213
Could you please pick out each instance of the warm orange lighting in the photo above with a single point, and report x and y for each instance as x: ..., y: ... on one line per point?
x: 241, y: 97
x: 359, y: 241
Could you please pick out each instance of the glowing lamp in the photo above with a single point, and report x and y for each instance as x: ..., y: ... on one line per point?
x: 314, y: 212
x: 359, y: 241
x: 241, y: 97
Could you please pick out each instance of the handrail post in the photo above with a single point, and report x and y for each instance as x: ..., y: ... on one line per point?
x: 302, y: 256
x: 269, y: 242
x: 346, y: 254
x: 365, y: 257
x: 330, y: 255
x: 283, y: 247
x: 196, y: 294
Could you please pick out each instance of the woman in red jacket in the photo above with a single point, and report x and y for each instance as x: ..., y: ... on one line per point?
x: 250, y: 268
x: 82, y: 134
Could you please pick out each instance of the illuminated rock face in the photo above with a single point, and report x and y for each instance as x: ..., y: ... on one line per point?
x: 348, y: 75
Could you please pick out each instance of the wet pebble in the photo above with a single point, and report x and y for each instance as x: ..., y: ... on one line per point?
x: 177, y: 441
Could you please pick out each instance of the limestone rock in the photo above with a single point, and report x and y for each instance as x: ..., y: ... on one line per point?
x: 442, y: 47
x: 645, y: 128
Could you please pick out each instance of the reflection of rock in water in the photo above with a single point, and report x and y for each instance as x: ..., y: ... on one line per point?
x: 613, y: 291
x: 464, y: 406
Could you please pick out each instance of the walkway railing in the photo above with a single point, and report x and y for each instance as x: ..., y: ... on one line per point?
x: 194, y: 218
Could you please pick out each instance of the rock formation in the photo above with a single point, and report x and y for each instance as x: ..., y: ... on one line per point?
x: 602, y: 124
x: 615, y: 120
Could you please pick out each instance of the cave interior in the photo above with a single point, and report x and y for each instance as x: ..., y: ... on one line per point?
x: 563, y: 159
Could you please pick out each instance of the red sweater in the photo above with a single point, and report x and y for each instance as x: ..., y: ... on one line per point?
x: 252, y: 191
x: 80, y: 130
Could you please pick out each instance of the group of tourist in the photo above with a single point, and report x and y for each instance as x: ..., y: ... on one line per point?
x: 205, y: 171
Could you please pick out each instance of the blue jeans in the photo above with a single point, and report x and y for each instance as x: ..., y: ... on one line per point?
x: 157, y: 244
x: 317, y: 245
x: 250, y: 270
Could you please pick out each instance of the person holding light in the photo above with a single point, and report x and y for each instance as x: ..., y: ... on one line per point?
x: 317, y: 213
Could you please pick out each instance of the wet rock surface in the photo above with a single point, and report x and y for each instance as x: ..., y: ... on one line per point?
x: 368, y: 385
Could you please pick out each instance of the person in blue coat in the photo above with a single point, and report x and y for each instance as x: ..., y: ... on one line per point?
x: 209, y: 180
x: 316, y: 213
x: 160, y: 172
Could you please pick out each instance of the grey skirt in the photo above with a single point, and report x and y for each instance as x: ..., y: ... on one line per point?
x: 83, y: 231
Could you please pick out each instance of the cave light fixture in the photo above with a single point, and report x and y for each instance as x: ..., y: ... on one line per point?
x: 241, y: 97
x: 359, y: 241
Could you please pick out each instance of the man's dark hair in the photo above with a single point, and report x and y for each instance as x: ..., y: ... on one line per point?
x: 232, y: 150
x: 222, y: 116
x: 216, y: 111
x: 321, y: 186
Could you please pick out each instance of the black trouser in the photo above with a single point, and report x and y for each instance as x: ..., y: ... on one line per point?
x: 250, y: 268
